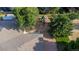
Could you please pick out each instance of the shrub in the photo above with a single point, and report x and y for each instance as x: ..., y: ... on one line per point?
x: 73, y: 16
x: 26, y: 16
x: 77, y: 43
x: 60, y: 26
x: 62, y: 43
x: 62, y: 39
x: 71, y: 45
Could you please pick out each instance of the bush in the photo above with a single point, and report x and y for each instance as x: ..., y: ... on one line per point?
x: 77, y: 43
x: 26, y: 17
x: 74, y: 45
x: 73, y: 16
x: 62, y: 43
x: 60, y: 26
x: 62, y: 39
x: 71, y: 45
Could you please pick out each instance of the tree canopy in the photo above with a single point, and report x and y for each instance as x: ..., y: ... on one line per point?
x: 60, y: 26
x: 26, y: 16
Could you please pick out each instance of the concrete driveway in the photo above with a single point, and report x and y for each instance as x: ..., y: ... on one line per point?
x: 8, y: 30
x: 12, y: 39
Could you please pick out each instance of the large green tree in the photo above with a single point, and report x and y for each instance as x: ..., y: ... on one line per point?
x: 26, y: 16
x: 60, y: 26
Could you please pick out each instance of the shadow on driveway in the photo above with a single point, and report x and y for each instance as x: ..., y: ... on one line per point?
x: 40, y: 45
x: 9, y: 25
x: 44, y: 45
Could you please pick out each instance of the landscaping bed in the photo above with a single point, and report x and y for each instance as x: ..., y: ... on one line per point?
x: 64, y: 44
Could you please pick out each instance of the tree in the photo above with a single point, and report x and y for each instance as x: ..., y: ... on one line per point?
x: 26, y: 16
x: 60, y: 26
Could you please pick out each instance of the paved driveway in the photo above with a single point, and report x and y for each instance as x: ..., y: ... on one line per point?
x: 12, y: 39
x: 8, y: 30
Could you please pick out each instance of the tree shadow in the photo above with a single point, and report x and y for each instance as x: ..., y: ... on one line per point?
x: 44, y: 45
x: 40, y: 45
x: 9, y: 25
